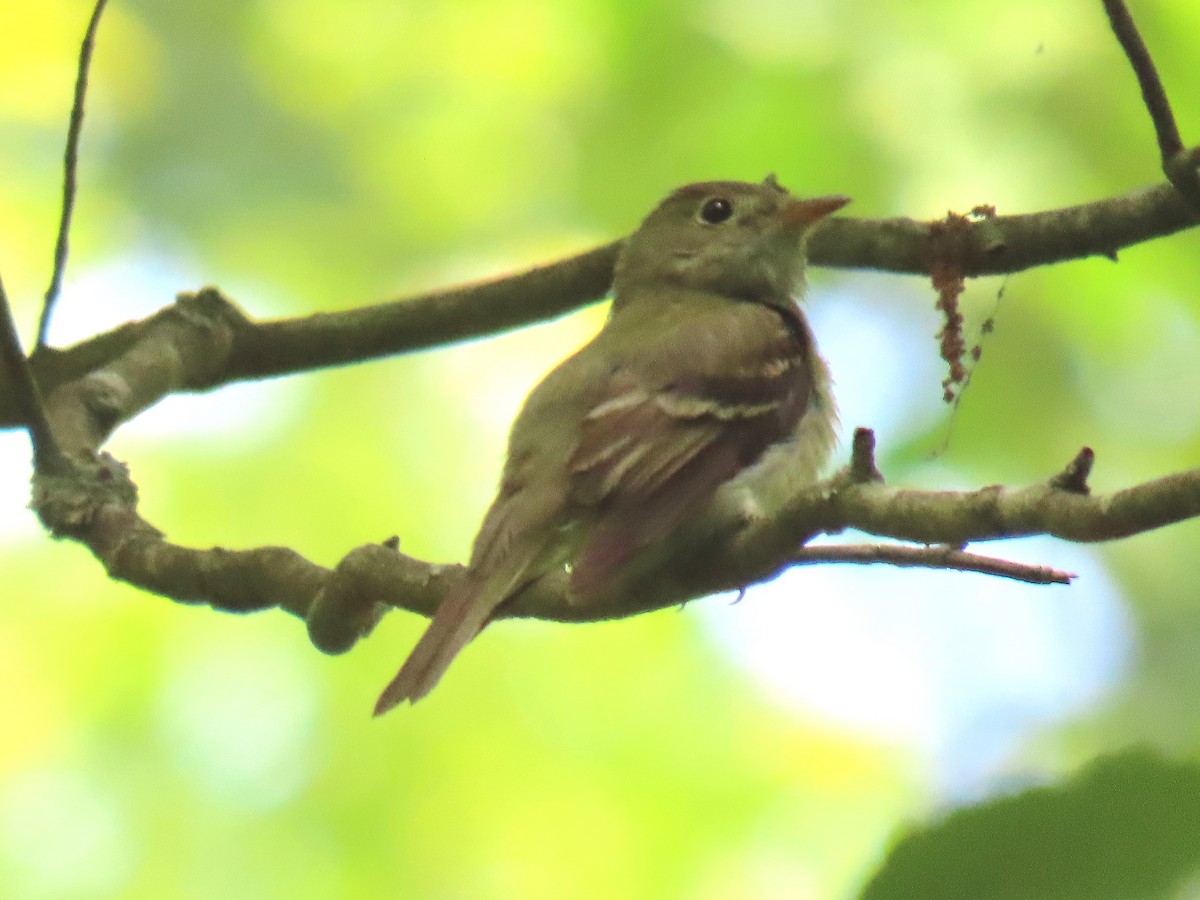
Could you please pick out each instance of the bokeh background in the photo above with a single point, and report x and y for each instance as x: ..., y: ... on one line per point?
x: 314, y: 155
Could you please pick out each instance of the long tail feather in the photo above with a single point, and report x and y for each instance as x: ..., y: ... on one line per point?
x: 458, y: 618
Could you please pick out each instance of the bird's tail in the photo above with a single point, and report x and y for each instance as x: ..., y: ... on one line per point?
x: 459, y: 617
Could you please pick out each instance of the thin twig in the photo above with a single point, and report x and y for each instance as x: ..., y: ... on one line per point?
x: 1178, y: 164
x: 47, y: 457
x: 1153, y: 92
x: 70, y: 165
x: 936, y: 557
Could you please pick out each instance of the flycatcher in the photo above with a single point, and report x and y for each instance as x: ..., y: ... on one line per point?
x: 704, y: 388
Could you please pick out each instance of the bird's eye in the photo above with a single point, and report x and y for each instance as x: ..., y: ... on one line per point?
x: 716, y: 210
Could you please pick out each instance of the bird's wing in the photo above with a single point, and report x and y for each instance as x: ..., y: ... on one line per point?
x: 667, y: 431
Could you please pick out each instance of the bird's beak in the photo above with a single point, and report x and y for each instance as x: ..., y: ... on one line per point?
x: 805, y: 212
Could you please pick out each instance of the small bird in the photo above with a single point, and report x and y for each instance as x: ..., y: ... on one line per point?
x: 704, y: 387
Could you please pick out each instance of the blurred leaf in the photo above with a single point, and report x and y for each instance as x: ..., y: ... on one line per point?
x: 1126, y: 826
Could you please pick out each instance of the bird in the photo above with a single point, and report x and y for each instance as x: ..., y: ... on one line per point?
x: 704, y: 389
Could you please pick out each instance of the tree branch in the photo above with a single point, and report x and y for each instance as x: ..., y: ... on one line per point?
x: 1153, y: 92
x: 284, y: 346
x: 1000, y: 245
x: 97, y: 506
x: 70, y: 164
x: 25, y: 396
x: 1178, y: 163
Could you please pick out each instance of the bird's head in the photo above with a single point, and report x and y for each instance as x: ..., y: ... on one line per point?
x: 741, y: 240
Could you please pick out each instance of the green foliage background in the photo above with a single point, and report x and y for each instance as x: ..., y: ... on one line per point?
x: 310, y: 155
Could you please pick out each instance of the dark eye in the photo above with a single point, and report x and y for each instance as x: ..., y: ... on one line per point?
x: 716, y: 210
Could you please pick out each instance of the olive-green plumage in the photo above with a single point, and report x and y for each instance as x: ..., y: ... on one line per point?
x: 704, y: 387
